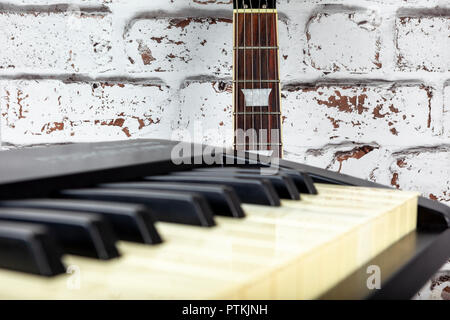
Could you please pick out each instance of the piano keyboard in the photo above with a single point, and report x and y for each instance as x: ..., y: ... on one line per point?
x: 196, y: 233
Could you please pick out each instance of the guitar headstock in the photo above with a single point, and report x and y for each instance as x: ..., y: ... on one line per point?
x: 254, y: 4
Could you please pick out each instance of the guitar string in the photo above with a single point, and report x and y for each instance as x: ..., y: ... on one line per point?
x: 236, y: 84
x: 269, y: 107
x: 277, y: 85
x: 245, y: 82
x: 252, y: 44
x: 260, y: 75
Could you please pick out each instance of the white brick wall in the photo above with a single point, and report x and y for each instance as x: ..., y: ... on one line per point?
x: 423, y: 43
x: 55, y: 111
x: 387, y: 113
x: 336, y: 32
x: 55, y: 42
x: 366, y: 83
x: 175, y: 44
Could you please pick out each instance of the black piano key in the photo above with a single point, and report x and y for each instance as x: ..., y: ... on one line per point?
x: 78, y: 233
x: 302, y: 180
x: 222, y: 199
x: 248, y: 190
x: 29, y: 248
x: 130, y: 222
x: 176, y: 207
x: 282, y: 183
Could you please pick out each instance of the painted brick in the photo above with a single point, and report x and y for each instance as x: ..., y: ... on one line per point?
x: 365, y: 161
x: 188, y: 45
x: 59, y: 2
x: 423, y: 169
x: 402, y: 3
x: 315, y: 116
x: 423, y: 43
x: 195, y: 46
x: 56, y: 42
x: 293, y: 43
x: 446, y: 115
x: 206, y: 112
x: 426, y: 170
x: 388, y: 114
x: 214, y: 3
x: 49, y: 111
x: 438, y: 288
x: 168, y: 4
x: 344, y: 41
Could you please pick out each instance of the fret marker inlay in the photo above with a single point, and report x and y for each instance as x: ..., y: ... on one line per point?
x: 257, y: 97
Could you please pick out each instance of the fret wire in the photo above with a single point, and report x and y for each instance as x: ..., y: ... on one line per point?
x: 261, y: 113
x: 254, y: 48
x: 265, y: 81
x: 258, y: 143
x: 253, y: 11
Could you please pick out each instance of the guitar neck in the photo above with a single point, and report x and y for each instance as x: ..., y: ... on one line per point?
x: 256, y: 89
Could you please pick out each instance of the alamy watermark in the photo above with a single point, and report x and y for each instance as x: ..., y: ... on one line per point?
x: 374, y: 280
x: 251, y: 146
x: 74, y: 279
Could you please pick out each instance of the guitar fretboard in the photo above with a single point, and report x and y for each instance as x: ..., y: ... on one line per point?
x: 257, y: 112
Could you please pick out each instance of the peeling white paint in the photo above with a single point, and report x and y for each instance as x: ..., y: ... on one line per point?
x: 49, y: 42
